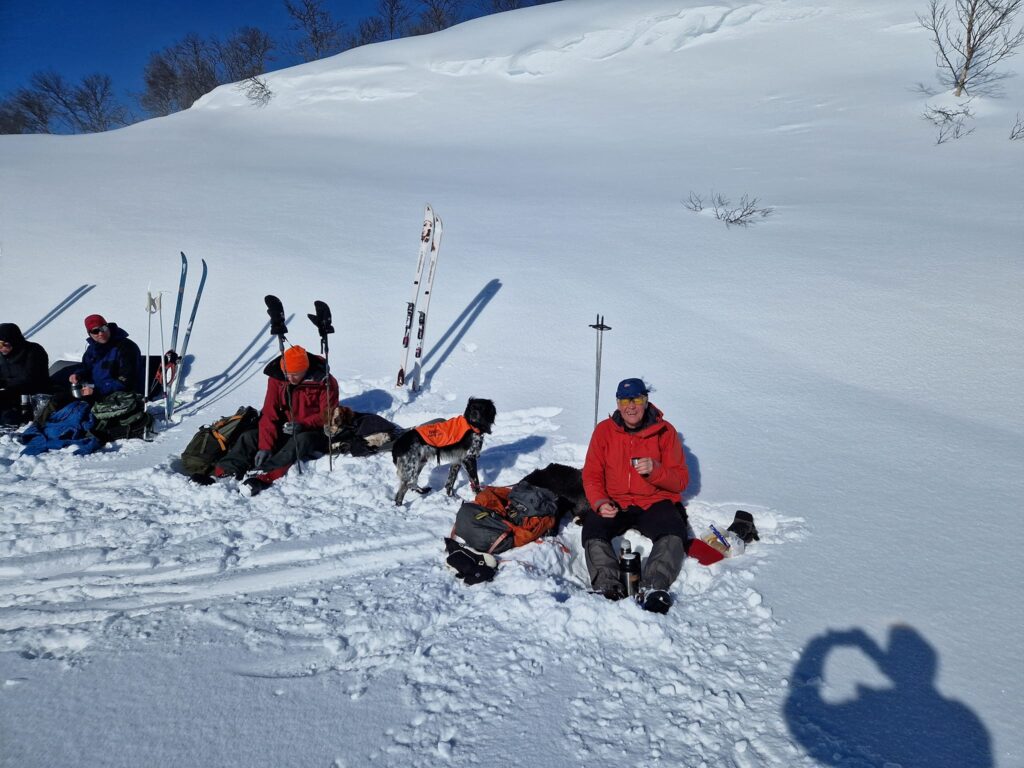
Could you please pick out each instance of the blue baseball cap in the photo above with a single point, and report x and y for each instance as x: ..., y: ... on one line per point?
x: 630, y: 388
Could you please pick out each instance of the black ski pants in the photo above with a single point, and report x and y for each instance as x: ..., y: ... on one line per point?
x: 663, y: 523
x: 304, y: 446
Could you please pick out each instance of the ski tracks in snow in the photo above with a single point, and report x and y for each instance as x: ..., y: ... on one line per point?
x: 323, y: 575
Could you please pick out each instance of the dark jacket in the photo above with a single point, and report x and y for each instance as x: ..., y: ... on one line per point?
x: 608, y: 473
x: 310, y: 400
x: 114, y: 366
x: 25, y: 369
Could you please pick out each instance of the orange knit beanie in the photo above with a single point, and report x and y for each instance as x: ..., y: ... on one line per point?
x: 295, y: 360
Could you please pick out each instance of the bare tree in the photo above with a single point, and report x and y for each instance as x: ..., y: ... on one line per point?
x: 371, y: 30
x: 1017, y: 132
x: 395, y: 16
x: 971, y: 37
x: 53, y: 105
x: 952, y: 122
x: 320, y: 34
x: 177, y: 76
x: 436, y: 15
x: 245, y: 54
x: 160, y: 78
x: 95, y: 106
x: 26, y: 111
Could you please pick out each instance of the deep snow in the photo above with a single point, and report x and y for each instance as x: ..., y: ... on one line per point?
x: 849, y: 370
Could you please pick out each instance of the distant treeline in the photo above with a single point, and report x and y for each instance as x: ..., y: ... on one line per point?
x: 177, y: 76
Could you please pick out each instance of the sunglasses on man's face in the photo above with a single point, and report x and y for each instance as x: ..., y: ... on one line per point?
x: 98, y: 330
x: 624, y: 401
x: 6, y: 344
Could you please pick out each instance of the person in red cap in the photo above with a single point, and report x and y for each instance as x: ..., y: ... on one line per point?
x: 291, y: 428
x: 633, y: 476
x: 111, y: 363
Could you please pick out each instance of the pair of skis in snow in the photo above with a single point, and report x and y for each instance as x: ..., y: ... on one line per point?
x: 171, y: 360
x: 430, y: 244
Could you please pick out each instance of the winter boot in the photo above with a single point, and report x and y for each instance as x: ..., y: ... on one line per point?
x: 655, y: 600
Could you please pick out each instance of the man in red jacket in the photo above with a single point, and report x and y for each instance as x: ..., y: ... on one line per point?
x: 291, y: 428
x: 633, y: 477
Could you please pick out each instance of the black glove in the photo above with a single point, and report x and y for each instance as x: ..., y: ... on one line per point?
x: 743, y: 526
x: 260, y: 459
x: 469, y: 565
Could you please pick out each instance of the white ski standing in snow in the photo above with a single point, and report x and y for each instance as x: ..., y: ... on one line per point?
x: 421, y: 329
x: 426, y: 243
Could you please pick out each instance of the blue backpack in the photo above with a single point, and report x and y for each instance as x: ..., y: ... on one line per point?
x: 68, y: 426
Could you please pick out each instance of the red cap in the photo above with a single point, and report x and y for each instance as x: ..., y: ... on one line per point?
x: 295, y: 360
x: 94, y: 321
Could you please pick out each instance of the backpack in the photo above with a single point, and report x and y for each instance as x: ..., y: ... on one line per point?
x: 500, y: 518
x: 120, y: 416
x: 212, y: 442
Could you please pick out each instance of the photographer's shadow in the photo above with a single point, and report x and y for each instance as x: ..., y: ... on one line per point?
x: 910, y: 724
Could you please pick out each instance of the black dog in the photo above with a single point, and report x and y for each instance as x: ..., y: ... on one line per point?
x: 566, y: 483
x: 458, y: 440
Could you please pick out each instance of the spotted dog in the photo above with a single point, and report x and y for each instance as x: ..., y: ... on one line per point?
x: 458, y: 441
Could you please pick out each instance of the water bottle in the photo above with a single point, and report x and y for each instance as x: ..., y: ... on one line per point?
x: 26, y: 408
x: 76, y: 390
x: 629, y: 569
x: 728, y: 543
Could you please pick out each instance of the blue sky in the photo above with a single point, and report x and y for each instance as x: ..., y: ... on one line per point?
x: 116, y: 37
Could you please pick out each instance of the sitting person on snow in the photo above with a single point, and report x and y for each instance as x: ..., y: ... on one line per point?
x: 23, y: 371
x: 111, y: 363
x: 291, y: 426
x: 633, y: 477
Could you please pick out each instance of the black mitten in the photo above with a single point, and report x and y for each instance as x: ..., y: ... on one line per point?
x: 469, y: 565
x: 743, y: 526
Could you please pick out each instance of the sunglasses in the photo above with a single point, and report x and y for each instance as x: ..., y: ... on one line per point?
x: 624, y: 401
x: 6, y: 344
x: 97, y: 331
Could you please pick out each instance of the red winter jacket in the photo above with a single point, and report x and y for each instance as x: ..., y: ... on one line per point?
x: 608, y: 473
x: 310, y: 400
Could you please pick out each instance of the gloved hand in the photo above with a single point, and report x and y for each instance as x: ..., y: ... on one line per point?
x: 260, y: 459
x: 469, y: 565
x: 743, y: 526
x: 291, y: 428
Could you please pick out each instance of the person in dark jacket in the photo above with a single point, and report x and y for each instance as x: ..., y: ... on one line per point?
x: 300, y: 393
x: 24, y: 367
x: 111, y: 363
x: 633, y: 476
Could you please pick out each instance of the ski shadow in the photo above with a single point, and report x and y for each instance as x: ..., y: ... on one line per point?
x: 250, y: 361
x: 455, y: 333
x: 372, y: 401
x: 908, y: 724
x: 58, y: 310
x: 693, y: 467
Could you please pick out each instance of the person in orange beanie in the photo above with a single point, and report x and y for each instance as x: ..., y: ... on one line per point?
x: 291, y: 428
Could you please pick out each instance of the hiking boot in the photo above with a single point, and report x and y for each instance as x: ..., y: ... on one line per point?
x: 200, y: 479
x: 253, y: 486
x: 655, y: 600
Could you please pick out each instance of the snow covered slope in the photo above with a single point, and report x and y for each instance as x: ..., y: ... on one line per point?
x: 849, y: 369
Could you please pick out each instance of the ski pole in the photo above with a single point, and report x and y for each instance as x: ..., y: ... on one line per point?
x: 322, y: 321
x: 152, y: 305
x: 600, y: 327
x: 278, y: 328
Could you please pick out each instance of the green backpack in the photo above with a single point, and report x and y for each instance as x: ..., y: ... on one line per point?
x: 211, y: 443
x: 121, y: 416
